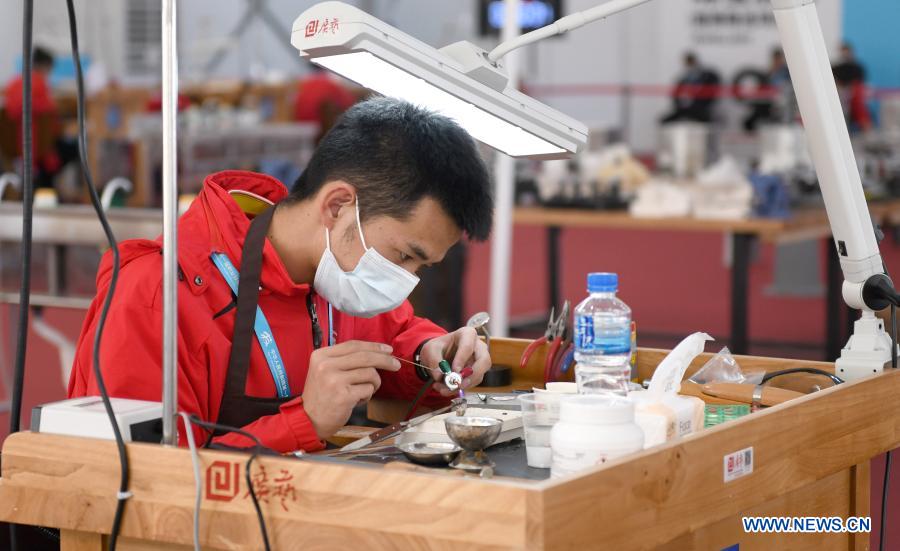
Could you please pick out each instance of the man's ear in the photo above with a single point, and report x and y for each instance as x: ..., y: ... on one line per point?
x: 334, y: 196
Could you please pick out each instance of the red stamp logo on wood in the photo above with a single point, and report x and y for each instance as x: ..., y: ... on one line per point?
x: 279, y: 488
x: 223, y: 480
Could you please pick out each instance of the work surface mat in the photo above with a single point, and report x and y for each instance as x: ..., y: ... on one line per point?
x: 509, y: 459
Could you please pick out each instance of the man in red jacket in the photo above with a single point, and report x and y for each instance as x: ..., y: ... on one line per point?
x: 290, y: 318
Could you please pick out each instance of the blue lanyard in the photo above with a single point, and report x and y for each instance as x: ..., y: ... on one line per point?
x: 260, y: 327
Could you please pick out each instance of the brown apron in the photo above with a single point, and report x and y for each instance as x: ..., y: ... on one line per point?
x: 237, y: 409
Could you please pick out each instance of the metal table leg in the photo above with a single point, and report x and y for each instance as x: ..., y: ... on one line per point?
x: 833, y: 304
x: 553, y: 266
x: 56, y: 270
x: 742, y: 245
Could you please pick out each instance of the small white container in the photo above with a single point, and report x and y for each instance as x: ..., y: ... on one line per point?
x: 592, y: 429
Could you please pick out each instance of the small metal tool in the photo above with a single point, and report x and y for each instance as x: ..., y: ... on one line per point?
x: 452, y: 379
x: 479, y: 322
x: 556, y: 337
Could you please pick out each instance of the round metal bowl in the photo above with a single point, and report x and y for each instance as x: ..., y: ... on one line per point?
x: 473, y: 433
x: 430, y: 453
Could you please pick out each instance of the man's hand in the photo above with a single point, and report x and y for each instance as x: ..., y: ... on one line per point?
x: 462, y: 348
x: 339, y: 378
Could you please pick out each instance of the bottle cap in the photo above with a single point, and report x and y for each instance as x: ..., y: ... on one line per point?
x: 596, y: 409
x: 602, y: 282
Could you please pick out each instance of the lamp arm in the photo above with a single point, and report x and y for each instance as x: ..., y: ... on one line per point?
x: 564, y: 25
x: 830, y: 146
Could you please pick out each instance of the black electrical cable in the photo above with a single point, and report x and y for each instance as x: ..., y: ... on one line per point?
x: 884, y: 496
x: 772, y: 374
x: 27, y: 215
x: 893, y: 335
x: 15, y: 413
x: 885, y: 486
x: 256, y: 451
x: 123, y: 494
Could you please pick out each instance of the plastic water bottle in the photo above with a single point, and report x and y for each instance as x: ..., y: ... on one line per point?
x: 602, y: 338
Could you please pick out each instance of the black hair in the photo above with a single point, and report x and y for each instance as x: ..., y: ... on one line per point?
x: 690, y: 58
x: 397, y: 154
x: 42, y: 57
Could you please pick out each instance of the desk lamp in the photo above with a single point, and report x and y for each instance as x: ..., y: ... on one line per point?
x: 469, y: 85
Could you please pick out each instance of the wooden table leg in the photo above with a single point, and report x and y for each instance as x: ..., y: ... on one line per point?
x: 861, y: 502
x: 72, y: 540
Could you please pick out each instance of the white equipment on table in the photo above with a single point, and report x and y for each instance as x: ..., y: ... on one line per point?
x: 139, y: 421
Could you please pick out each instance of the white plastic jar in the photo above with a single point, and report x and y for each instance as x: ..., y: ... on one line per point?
x: 593, y: 429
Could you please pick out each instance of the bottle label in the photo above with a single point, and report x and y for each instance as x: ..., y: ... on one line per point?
x: 590, y: 338
x: 569, y: 461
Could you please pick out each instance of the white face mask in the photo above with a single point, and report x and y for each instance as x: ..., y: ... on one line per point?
x: 375, y: 286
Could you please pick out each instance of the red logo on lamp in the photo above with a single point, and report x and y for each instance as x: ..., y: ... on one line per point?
x: 312, y: 28
x: 222, y: 480
x: 327, y: 26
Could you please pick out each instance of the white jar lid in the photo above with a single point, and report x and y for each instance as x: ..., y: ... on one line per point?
x: 596, y: 409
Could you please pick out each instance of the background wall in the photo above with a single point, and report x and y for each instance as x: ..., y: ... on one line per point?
x: 642, y: 46
x: 871, y: 27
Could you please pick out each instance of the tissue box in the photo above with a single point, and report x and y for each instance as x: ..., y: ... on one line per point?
x: 667, y: 416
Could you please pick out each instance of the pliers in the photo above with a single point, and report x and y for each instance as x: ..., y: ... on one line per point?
x: 557, y: 337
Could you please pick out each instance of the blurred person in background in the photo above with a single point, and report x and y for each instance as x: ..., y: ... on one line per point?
x: 850, y: 76
x: 45, y: 121
x: 696, y: 93
x: 321, y: 99
x: 774, y: 101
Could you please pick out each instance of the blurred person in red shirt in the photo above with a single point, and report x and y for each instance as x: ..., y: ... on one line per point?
x: 45, y: 123
x: 850, y: 76
x: 321, y: 99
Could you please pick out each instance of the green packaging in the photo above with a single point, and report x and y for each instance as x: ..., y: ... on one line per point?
x: 716, y: 414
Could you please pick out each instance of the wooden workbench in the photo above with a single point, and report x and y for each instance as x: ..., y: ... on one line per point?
x: 804, y: 224
x: 811, y: 457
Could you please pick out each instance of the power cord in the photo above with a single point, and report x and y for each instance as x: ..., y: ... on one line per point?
x: 198, y: 480
x: 772, y: 374
x: 27, y: 217
x: 885, y: 487
x: 256, y: 451
x: 15, y: 413
x: 123, y: 493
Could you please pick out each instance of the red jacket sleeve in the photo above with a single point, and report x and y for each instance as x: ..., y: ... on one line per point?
x: 405, y: 332
x: 288, y: 430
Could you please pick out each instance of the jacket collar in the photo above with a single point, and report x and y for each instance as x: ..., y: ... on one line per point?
x: 215, y: 223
